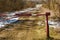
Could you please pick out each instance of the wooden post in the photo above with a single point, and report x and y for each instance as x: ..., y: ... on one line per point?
x: 47, y: 25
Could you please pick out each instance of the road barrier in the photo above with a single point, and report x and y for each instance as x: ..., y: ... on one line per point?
x: 46, y: 14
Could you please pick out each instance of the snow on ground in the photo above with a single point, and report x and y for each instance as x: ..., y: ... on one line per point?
x: 3, y: 23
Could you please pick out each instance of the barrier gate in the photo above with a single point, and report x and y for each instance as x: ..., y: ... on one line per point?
x: 47, y: 25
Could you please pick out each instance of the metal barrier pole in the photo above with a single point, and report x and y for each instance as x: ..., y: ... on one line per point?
x: 47, y: 25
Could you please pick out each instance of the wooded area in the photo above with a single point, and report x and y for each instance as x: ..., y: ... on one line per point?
x: 53, y: 5
x: 13, y: 5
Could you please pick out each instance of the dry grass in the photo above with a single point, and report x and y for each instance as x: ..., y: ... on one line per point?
x: 25, y: 31
x: 28, y: 33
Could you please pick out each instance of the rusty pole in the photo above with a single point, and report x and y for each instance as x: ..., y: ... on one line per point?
x: 47, y: 25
